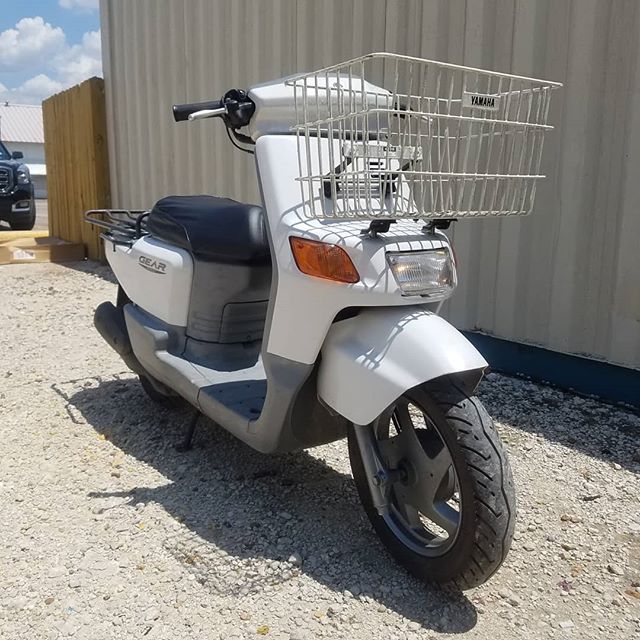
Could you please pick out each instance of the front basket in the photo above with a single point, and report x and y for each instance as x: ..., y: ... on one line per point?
x: 389, y: 136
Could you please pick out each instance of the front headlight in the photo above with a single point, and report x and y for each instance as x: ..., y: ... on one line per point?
x: 424, y: 273
x: 24, y: 175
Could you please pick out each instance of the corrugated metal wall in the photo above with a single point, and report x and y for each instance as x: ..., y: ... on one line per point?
x: 567, y: 278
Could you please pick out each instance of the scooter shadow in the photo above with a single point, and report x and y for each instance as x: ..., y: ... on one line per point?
x: 239, y: 505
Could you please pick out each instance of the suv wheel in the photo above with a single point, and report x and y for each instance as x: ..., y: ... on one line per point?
x: 28, y: 224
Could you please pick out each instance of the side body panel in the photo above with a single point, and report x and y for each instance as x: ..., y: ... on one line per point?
x: 156, y: 275
x: 370, y: 360
x: 270, y: 403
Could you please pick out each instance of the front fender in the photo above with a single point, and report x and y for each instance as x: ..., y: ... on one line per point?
x: 370, y: 360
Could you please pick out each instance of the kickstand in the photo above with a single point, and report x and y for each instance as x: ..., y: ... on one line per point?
x: 187, y: 443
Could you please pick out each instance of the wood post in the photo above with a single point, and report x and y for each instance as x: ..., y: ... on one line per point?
x: 75, y: 141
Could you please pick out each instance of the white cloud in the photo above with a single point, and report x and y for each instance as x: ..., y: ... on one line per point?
x: 36, y: 45
x: 79, y: 4
x: 33, y: 91
x: 31, y: 41
x: 80, y: 61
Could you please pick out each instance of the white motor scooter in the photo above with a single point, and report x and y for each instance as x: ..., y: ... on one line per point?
x: 314, y: 316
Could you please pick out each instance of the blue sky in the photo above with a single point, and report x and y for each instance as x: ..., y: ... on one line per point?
x: 47, y: 46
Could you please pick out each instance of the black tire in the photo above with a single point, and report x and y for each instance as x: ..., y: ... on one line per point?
x: 484, y: 482
x: 26, y: 225
x: 121, y: 297
x: 156, y: 390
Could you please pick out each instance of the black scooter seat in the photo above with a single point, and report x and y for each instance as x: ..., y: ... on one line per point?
x: 212, y: 229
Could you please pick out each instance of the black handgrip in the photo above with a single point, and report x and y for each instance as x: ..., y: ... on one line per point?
x: 182, y: 112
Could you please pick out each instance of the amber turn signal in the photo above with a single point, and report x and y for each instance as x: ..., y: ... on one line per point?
x: 323, y: 260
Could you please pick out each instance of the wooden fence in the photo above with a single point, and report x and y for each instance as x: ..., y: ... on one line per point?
x: 75, y: 141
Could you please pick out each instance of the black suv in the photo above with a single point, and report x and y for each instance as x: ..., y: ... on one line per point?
x: 17, y: 205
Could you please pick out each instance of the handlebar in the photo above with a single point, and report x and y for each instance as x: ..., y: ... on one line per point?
x: 181, y: 112
x: 236, y: 109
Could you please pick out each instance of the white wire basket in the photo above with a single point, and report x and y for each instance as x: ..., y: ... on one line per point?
x: 390, y: 136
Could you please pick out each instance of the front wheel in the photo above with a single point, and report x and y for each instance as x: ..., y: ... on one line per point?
x: 442, y: 484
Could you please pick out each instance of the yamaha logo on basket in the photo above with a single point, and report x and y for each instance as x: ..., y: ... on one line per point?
x: 481, y: 101
x: 155, y: 266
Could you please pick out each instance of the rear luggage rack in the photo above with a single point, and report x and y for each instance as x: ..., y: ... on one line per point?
x: 123, y: 226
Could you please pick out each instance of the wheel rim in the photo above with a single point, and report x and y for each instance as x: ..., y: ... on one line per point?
x: 425, y: 501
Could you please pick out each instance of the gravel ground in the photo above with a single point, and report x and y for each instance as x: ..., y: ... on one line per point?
x: 107, y: 532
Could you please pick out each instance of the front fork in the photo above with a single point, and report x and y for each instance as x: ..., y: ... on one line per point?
x: 379, y: 477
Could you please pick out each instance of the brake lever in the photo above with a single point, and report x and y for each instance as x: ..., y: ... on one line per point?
x: 207, y: 113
